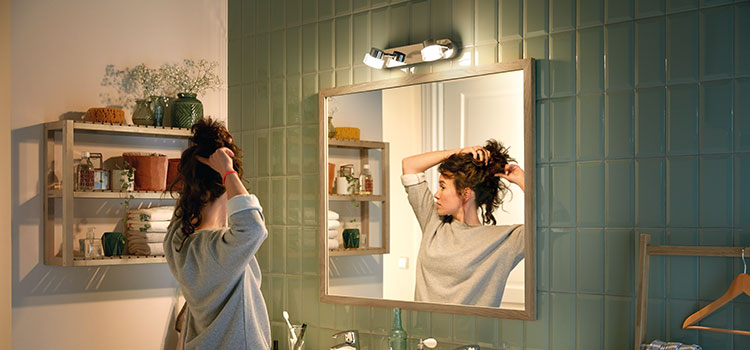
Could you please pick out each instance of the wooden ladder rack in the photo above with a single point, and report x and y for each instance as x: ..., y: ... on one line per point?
x: 643, y: 266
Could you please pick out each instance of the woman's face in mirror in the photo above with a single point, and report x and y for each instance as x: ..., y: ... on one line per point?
x: 449, y: 202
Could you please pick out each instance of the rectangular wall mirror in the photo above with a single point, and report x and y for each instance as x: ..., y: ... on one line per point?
x: 370, y: 238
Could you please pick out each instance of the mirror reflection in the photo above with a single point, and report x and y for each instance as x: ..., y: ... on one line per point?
x: 439, y: 207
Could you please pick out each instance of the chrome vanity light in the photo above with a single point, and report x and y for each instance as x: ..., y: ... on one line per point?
x: 433, y: 51
x: 374, y: 58
x: 428, y: 51
x: 377, y: 59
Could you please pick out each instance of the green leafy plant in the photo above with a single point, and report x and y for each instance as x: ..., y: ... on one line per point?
x: 130, y: 175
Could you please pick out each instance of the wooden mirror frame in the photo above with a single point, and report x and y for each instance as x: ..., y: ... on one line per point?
x: 529, y: 312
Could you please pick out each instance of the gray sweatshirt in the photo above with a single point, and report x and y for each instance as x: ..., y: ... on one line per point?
x: 220, y: 278
x: 459, y: 263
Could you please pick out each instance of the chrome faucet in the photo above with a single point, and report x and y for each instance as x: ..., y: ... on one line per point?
x: 468, y: 347
x: 351, y: 339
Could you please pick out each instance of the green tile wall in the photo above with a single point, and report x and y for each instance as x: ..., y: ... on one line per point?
x: 643, y: 126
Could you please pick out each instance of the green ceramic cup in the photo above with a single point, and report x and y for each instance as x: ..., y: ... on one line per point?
x: 113, y: 243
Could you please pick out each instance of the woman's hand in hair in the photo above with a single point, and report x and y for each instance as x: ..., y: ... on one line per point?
x: 220, y: 160
x: 478, y: 152
x: 514, y: 174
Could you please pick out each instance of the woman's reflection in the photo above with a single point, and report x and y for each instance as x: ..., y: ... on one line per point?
x: 463, y: 260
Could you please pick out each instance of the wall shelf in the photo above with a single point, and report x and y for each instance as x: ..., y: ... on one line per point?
x: 363, y: 147
x: 118, y: 129
x: 357, y: 251
x: 63, y: 198
x: 357, y: 197
x: 119, y: 260
x: 114, y: 195
x: 361, y: 144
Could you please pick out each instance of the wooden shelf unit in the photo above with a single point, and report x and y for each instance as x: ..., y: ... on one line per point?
x: 68, y: 129
x: 364, y: 147
x: 644, y: 258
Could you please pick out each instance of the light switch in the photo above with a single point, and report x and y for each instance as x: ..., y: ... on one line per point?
x: 403, y: 262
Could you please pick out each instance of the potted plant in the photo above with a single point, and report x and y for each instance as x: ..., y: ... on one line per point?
x: 190, y: 79
x: 147, y: 81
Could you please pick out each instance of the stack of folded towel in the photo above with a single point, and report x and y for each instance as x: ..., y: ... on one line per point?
x: 146, y: 230
x: 333, y: 230
x: 661, y: 345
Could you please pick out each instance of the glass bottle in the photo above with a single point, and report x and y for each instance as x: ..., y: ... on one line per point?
x: 157, y: 108
x: 365, y: 180
x: 85, y: 173
x: 397, y: 336
x: 92, y: 248
x: 331, y: 128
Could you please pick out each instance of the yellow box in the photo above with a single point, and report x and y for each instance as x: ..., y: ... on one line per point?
x: 347, y: 133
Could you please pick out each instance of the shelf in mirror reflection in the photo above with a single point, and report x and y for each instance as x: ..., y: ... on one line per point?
x: 356, y: 251
x: 357, y: 197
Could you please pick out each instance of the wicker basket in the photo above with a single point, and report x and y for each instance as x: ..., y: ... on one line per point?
x: 106, y: 115
x: 151, y: 170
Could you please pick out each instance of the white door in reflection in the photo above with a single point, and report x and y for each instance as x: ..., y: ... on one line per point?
x: 491, y: 107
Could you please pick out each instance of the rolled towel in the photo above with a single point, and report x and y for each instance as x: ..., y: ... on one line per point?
x: 145, y: 237
x: 152, y: 226
x: 146, y: 248
x: 334, y: 224
x: 333, y: 244
x: 333, y: 233
x: 152, y: 214
x: 332, y: 215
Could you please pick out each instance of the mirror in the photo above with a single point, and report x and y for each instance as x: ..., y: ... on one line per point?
x: 372, y: 247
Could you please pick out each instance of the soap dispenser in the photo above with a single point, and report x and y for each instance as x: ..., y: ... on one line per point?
x: 397, y: 336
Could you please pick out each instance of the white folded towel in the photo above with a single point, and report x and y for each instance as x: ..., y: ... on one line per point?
x: 334, y: 224
x: 146, y: 248
x: 152, y: 214
x: 333, y: 233
x: 145, y: 237
x: 332, y: 215
x: 151, y: 226
x: 333, y: 244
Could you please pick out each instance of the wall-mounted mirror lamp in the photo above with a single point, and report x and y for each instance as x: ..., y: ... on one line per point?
x: 427, y: 51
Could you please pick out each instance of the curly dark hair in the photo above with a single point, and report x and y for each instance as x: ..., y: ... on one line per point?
x: 468, y: 172
x: 201, y: 185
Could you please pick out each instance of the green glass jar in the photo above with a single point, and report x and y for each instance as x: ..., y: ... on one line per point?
x: 351, y: 237
x: 186, y: 110
x: 157, y: 108
x: 113, y: 243
x: 142, y: 114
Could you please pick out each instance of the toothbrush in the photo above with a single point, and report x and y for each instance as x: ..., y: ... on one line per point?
x: 291, y: 329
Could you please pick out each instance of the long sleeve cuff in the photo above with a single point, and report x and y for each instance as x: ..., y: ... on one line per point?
x: 243, y: 202
x: 412, y: 179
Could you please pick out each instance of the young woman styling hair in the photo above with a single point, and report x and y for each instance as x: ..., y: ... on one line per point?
x: 214, y: 262
x: 463, y: 260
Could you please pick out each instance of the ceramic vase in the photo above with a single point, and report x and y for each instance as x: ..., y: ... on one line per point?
x: 142, y: 114
x: 186, y: 110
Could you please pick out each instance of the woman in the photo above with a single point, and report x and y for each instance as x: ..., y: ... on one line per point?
x: 214, y: 262
x: 462, y: 260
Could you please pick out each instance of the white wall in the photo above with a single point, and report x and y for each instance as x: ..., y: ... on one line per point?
x: 59, y: 50
x: 402, y: 125
x: 5, y: 241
